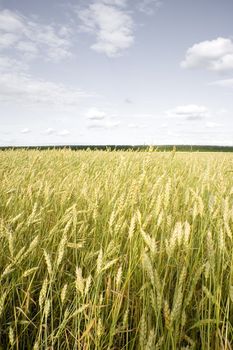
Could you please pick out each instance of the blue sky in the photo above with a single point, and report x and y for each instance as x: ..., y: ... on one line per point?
x: 116, y: 72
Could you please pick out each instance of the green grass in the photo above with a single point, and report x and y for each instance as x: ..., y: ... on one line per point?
x: 116, y: 250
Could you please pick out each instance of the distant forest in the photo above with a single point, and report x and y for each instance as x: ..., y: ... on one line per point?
x: 164, y: 148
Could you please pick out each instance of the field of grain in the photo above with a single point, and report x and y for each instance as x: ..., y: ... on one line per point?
x: 116, y: 250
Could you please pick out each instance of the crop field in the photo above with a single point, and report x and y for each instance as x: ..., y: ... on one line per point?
x: 116, y: 250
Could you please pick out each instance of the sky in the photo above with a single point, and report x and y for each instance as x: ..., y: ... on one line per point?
x: 96, y: 72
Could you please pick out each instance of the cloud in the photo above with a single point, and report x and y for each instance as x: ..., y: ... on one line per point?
x: 10, y: 21
x: 215, y: 55
x: 149, y: 6
x: 64, y: 132
x: 49, y: 131
x: 111, y: 26
x: 103, y: 125
x: 189, y: 112
x: 7, y: 40
x: 9, y: 64
x: 222, y: 111
x: 32, y: 39
x: 21, y: 40
x: 212, y: 125
x: 25, y: 131
x: 120, y: 3
x: 24, y: 89
x: 164, y: 125
x: 100, y: 119
x: 28, y: 49
x: 136, y: 126
x: 228, y: 83
x: 95, y: 114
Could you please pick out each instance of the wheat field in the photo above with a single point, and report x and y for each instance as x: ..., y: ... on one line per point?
x: 116, y: 250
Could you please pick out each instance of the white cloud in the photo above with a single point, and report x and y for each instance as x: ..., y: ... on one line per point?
x: 64, y: 132
x: 100, y: 119
x: 223, y: 83
x: 164, y: 125
x: 25, y: 131
x: 8, y: 64
x: 95, y: 114
x: 136, y: 126
x: 29, y: 49
x: 212, y: 125
x: 222, y: 111
x: 49, y: 131
x: 215, y: 55
x: 112, y: 27
x: 149, y: 6
x: 7, y: 40
x: 23, y: 89
x: 23, y: 39
x: 31, y: 39
x: 189, y: 112
x: 10, y: 21
x: 103, y: 125
x: 121, y: 3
